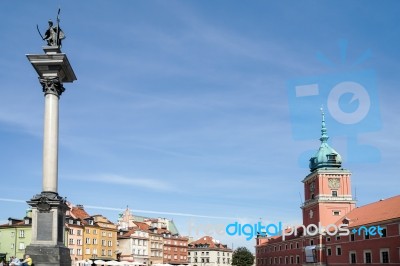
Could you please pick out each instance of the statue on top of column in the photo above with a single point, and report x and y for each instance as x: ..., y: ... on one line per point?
x: 54, y: 35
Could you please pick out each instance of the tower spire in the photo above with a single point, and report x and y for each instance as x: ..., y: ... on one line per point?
x: 324, y: 137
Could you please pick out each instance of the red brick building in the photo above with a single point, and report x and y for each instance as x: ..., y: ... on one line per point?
x: 175, y: 248
x: 373, y: 235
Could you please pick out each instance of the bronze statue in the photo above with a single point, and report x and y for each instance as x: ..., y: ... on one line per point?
x: 54, y: 35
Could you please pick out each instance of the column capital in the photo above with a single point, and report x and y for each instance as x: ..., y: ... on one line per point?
x: 52, y: 86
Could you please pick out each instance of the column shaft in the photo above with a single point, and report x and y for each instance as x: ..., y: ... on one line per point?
x: 50, y: 144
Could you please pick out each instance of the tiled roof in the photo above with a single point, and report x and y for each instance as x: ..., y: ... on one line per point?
x: 127, y: 233
x: 208, y: 240
x: 376, y: 212
x: 19, y: 223
x: 79, y: 213
x: 143, y: 226
x: 278, y: 238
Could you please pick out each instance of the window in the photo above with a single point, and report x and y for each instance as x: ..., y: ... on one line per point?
x: 21, y: 233
x: 71, y: 231
x: 337, y: 237
x: 384, y: 256
x: 71, y: 241
x: 87, y: 231
x: 338, y: 251
x: 298, y: 259
x: 109, y: 252
x: 311, y: 242
x: 297, y: 244
x: 366, y: 235
x: 352, y: 237
x: 328, y: 239
x: 87, y: 240
x: 94, y: 241
x: 79, y: 242
x: 79, y: 251
x: 383, y: 232
x: 79, y: 232
x: 334, y: 193
x: 94, y: 231
x: 367, y: 257
x: 110, y: 243
x: 331, y: 157
x: 71, y: 251
x: 353, y: 257
x: 90, y: 222
x: 103, y: 243
x: 21, y: 246
x: 87, y: 251
x: 336, y: 213
x: 329, y: 252
x: 12, y: 246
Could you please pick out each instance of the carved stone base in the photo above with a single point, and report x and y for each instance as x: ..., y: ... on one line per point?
x: 48, y: 256
x: 48, y: 230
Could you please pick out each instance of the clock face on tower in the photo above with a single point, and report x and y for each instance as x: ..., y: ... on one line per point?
x: 334, y: 183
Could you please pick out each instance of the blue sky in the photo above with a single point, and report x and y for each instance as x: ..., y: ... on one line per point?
x: 183, y: 107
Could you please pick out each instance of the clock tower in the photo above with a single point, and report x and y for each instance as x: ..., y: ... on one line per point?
x: 327, y: 189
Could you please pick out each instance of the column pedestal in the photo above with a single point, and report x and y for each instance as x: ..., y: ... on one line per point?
x: 48, y: 230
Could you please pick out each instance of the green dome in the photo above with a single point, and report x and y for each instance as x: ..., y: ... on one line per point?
x: 326, y: 156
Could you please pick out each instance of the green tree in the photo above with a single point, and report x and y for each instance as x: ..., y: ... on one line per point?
x: 242, y: 257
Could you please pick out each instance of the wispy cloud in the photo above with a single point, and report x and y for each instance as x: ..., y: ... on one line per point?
x: 13, y: 200
x: 160, y: 212
x: 140, y: 211
x: 147, y: 183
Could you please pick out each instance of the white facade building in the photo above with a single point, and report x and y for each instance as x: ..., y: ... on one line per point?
x: 207, y: 251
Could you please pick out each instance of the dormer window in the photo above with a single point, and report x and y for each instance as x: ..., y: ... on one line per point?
x: 90, y: 222
x: 331, y: 157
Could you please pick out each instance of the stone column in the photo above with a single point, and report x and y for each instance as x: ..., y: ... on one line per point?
x: 48, y: 208
x: 52, y: 89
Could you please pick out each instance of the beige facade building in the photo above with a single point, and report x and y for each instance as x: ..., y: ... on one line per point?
x: 90, y: 236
